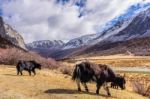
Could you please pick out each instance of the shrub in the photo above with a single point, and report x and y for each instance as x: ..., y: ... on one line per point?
x: 66, y: 70
x: 138, y: 88
x: 141, y: 89
x: 12, y: 55
x: 148, y: 91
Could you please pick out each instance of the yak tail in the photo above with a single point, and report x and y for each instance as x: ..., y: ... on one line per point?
x: 76, y: 73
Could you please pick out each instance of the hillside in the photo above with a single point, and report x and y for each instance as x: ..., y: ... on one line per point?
x: 48, y: 84
x: 8, y: 34
x: 5, y: 43
x: 12, y: 48
x: 137, y: 46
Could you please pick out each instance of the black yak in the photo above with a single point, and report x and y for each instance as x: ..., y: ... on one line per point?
x: 29, y: 66
x: 101, y: 74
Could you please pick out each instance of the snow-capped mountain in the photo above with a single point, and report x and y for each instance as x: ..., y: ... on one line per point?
x: 125, y: 31
x: 130, y: 12
x: 139, y: 27
x: 45, y: 44
x: 117, y: 38
x: 122, y: 30
x: 132, y: 35
x: 8, y: 33
x: 45, y: 47
x: 95, y: 38
x: 81, y: 41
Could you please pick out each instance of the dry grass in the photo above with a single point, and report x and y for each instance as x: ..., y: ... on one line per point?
x: 139, y: 83
x: 66, y: 70
x: 48, y: 84
x: 116, y: 60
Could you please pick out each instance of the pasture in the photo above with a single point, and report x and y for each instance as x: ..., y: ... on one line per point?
x: 50, y: 84
x: 116, y: 60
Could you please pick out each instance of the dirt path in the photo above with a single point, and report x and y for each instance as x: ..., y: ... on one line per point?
x: 50, y: 85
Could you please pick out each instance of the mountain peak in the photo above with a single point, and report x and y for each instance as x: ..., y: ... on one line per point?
x: 45, y: 44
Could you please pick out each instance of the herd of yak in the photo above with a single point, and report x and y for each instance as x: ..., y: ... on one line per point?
x: 84, y: 72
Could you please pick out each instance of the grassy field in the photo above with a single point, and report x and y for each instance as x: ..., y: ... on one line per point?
x: 48, y: 84
x: 116, y: 60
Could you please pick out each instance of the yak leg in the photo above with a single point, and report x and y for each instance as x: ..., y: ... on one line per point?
x: 85, y: 86
x: 116, y: 86
x: 113, y: 86
x: 78, y: 85
x: 29, y: 72
x: 99, y: 84
x: 98, y: 87
x: 34, y: 72
x: 106, y: 88
x: 17, y: 72
x: 21, y: 73
x: 20, y: 70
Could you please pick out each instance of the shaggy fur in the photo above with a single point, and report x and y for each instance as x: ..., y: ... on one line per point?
x: 29, y: 66
x: 101, y: 74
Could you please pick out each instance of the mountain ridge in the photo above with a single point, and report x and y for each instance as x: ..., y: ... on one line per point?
x: 8, y: 34
x: 55, y: 44
x: 137, y: 28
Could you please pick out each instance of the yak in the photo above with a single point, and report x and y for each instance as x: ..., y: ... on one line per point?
x: 29, y: 66
x: 101, y: 74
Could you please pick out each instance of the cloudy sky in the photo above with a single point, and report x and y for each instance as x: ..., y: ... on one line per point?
x: 61, y: 19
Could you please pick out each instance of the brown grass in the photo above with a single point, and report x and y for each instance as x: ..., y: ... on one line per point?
x: 66, y: 70
x: 50, y: 84
x: 139, y: 83
x: 116, y: 60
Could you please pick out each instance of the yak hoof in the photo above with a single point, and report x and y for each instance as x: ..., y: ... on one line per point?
x: 97, y: 92
x: 87, y: 90
x: 79, y: 89
x: 109, y: 94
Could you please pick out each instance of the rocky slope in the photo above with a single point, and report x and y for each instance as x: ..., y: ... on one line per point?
x: 12, y: 48
x: 8, y: 34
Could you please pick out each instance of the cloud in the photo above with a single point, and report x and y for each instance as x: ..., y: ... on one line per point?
x: 46, y: 19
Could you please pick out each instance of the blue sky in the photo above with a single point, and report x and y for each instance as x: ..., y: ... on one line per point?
x: 65, y: 19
